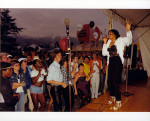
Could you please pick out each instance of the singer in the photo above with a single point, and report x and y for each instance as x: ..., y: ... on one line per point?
x: 113, y: 49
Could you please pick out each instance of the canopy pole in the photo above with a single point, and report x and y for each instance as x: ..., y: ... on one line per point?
x: 110, y: 27
x: 131, y: 49
x: 131, y: 55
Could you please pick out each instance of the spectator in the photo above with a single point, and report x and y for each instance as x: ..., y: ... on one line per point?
x: 65, y: 74
x: 26, y: 70
x: 37, y: 76
x: 87, y: 69
x: 3, y: 58
x: 56, y: 80
x: 74, y: 65
x: 80, y: 59
x: 18, y: 83
x: 81, y: 86
x: 29, y: 60
x: 95, y: 66
x: 8, y: 98
x: 9, y: 58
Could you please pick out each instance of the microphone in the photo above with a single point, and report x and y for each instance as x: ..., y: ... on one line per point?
x: 67, y: 22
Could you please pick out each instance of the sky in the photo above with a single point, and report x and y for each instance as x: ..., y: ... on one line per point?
x: 44, y: 18
x: 50, y: 22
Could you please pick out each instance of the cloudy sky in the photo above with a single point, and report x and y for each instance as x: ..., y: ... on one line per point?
x: 40, y: 18
x: 50, y: 22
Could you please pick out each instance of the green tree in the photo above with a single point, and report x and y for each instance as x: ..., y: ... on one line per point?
x: 9, y: 31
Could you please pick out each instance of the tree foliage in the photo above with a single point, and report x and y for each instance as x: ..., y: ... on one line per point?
x: 9, y: 31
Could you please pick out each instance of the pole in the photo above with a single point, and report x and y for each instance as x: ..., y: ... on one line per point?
x: 111, y: 23
x: 69, y: 58
x: 126, y: 93
x: 131, y: 55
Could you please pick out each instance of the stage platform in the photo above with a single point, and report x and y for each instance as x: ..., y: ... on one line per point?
x: 139, y: 102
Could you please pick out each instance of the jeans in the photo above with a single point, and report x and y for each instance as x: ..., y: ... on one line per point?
x: 31, y: 106
x: 20, y: 106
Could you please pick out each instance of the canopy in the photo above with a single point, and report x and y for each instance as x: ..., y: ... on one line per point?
x: 140, y: 19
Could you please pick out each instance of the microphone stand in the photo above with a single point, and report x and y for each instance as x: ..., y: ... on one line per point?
x: 69, y: 58
x: 126, y: 93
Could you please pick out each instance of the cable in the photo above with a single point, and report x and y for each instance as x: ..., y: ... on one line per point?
x: 94, y: 103
x: 100, y: 108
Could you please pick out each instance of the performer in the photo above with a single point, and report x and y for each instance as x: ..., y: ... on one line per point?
x: 113, y: 49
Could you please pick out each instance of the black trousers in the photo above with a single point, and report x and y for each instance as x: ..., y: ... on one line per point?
x: 102, y: 82
x: 114, y: 76
x: 85, y: 99
x: 65, y: 92
x: 56, y: 92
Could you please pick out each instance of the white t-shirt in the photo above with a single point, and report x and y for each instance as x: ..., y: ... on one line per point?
x: 34, y: 73
x: 19, y: 89
x: 1, y: 98
x: 127, y: 62
x: 95, y: 67
x: 72, y: 67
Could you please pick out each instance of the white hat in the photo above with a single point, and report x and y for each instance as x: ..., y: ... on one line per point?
x: 21, y: 59
x: 36, y: 57
x: 9, y: 56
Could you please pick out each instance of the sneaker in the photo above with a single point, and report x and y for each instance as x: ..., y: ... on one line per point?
x: 112, y: 100
x: 99, y: 93
x: 117, y: 105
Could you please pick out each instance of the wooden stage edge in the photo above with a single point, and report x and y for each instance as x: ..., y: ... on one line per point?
x: 139, y: 102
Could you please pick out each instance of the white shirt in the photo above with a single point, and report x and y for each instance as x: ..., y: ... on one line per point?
x: 95, y: 67
x: 72, y: 67
x: 1, y: 98
x: 127, y: 62
x: 120, y: 43
x: 19, y: 89
x: 34, y: 73
x: 54, y: 72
